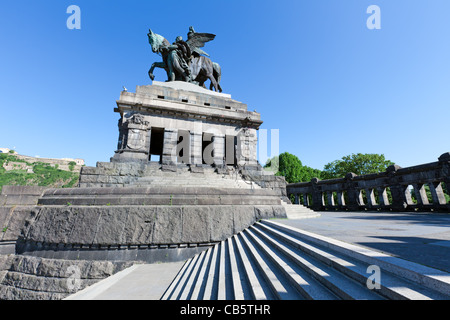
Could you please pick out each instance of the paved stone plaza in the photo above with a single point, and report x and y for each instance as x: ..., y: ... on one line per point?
x: 421, y: 238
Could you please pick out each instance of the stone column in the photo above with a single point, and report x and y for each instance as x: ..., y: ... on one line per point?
x: 134, y: 139
x: 444, y: 161
x: 196, y: 148
x: 360, y: 198
x: 330, y: 199
x: 421, y: 195
x: 305, y: 200
x: 399, y: 200
x: 252, y: 148
x: 437, y: 194
x: 352, y: 192
x: 184, y: 147
x: 296, y: 199
x: 219, y: 150
x: 383, y: 197
x: 371, y: 202
x: 340, y: 198
x: 121, y: 143
x: 169, y: 155
x: 317, y: 195
x: 408, y: 197
x: 246, y: 147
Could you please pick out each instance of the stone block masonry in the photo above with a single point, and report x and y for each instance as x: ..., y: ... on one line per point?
x: 155, y: 117
x: 204, y: 187
x: 97, y: 232
x: 35, y: 278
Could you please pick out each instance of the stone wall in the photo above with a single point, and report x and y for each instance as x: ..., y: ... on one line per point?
x: 266, y: 179
x: 20, y: 195
x: 63, y: 164
x: 26, y: 277
x: 34, y: 278
x: 389, y: 190
x: 103, y: 226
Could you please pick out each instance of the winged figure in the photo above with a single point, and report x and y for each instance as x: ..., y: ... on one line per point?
x: 197, y: 40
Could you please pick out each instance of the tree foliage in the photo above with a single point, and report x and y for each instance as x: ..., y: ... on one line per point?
x: 292, y: 169
x: 359, y: 164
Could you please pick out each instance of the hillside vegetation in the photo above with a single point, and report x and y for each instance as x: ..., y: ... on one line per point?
x: 23, y: 173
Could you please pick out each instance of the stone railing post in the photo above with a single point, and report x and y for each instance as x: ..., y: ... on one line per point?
x: 371, y: 202
x: 421, y: 195
x: 444, y: 161
x: 305, y: 200
x: 398, y: 191
x: 340, y: 198
x: 437, y: 194
x: 317, y: 195
x: 330, y: 199
x: 296, y: 199
x: 352, y: 192
x: 383, y: 197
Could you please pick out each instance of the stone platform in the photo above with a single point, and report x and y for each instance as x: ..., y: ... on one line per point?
x: 204, y: 187
x: 136, y: 209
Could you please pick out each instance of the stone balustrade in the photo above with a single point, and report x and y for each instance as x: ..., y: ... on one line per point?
x: 417, y: 188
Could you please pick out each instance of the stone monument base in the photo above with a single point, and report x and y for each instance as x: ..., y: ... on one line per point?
x: 205, y: 186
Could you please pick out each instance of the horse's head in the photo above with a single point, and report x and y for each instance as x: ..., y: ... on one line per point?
x: 155, y: 40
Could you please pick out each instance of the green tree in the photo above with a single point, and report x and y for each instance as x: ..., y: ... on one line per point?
x: 292, y: 168
x: 359, y: 164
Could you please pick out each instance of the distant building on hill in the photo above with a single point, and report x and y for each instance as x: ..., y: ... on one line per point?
x: 6, y: 150
x: 64, y: 161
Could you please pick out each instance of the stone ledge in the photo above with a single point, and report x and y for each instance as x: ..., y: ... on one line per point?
x: 114, y: 253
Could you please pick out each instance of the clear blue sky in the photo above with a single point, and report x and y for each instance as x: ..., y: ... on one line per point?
x: 310, y: 67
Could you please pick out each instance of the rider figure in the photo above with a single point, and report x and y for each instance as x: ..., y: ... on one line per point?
x: 182, y: 56
x: 184, y: 52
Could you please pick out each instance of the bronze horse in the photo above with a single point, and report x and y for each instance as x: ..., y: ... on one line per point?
x: 201, y: 68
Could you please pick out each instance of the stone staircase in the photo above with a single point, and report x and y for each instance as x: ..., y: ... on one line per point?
x: 151, y: 174
x: 212, y: 180
x: 298, y: 211
x: 272, y: 261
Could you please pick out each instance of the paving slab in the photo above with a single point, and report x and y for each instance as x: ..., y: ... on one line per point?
x: 419, y: 237
x: 139, y: 282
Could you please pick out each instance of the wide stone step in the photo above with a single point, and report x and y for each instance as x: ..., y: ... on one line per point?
x: 159, y: 195
x: 152, y: 174
x: 273, y: 261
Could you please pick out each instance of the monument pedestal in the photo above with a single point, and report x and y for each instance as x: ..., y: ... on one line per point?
x: 207, y: 127
x: 200, y: 190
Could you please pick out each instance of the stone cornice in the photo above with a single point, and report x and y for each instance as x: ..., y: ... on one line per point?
x: 195, y: 112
